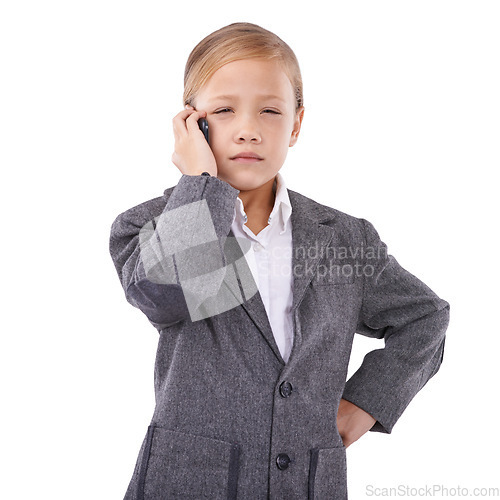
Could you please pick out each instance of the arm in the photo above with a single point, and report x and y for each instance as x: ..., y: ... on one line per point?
x: 157, y: 258
x: 412, y: 320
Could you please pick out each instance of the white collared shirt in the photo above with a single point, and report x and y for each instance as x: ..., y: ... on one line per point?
x: 270, y: 261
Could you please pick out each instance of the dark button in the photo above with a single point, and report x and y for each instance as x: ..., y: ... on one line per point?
x: 282, y: 461
x: 286, y: 389
x: 205, y: 173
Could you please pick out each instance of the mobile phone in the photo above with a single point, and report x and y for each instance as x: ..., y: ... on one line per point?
x: 203, y: 124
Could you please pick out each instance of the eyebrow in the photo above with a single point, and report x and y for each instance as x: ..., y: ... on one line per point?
x: 229, y: 97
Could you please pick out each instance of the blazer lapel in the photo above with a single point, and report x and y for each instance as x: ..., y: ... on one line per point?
x: 309, y: 240
x: 247, y: 290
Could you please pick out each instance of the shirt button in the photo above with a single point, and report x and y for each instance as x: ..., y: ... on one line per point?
x: 283, y: 461
x: 286, y: 389
x: 257, y: 247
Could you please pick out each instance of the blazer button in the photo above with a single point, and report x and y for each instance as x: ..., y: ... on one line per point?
x: 282, y: 461
x: 286, y: 389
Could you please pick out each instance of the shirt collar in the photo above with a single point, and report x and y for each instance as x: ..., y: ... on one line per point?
x: 281, y: 211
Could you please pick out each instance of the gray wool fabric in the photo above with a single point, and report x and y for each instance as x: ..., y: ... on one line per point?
x: 232, y: 420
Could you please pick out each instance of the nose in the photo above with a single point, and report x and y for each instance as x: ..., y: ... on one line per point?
x: 247, y: 131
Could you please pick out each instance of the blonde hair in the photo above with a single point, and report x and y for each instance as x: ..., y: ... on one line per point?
x: 235, y: 42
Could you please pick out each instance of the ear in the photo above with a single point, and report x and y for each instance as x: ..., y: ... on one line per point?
x: 299, y: 115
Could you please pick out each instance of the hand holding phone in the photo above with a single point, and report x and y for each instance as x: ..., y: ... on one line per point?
x: 192, y: 153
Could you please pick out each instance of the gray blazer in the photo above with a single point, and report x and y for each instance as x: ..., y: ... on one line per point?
x: 232, y: 419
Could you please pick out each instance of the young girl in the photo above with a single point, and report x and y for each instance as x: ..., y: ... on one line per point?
x: 257, y: 292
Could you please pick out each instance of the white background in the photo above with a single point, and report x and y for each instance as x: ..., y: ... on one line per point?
x: 401, y: 128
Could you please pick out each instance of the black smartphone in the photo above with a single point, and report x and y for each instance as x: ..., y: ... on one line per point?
x: 203, y: 124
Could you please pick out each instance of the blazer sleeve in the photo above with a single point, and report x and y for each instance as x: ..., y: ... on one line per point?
x: 159, y: 259
x: 411, y: 319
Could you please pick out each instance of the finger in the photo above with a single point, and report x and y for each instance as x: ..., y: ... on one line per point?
x: 192, y: 121
x: 179, y: 121
x: 183, y: 114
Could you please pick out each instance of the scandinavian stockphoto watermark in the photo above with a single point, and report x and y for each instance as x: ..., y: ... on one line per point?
x: 213, y: 275
x: 431, y: 490
x: 213, y: 271
x: 338, y: 261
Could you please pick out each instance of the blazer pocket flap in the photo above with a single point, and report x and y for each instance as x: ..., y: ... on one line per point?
x: 183, y: 465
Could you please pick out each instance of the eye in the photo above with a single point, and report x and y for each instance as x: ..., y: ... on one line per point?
x: 225, y: 110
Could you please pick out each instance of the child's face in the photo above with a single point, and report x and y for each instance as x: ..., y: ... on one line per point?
x: 248, y: 120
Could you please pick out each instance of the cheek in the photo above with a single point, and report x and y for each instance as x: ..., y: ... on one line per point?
x: 218, y: 129
x: 219, y: 143
x: 282, y: 138
x: 283, y: 129
x: 216, y: 135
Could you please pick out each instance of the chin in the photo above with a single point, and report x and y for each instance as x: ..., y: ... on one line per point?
x: 247, y: 180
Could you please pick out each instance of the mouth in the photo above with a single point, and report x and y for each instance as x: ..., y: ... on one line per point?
x: 247, y: 157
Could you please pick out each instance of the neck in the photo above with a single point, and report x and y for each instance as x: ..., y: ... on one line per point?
x: 260, y: 200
